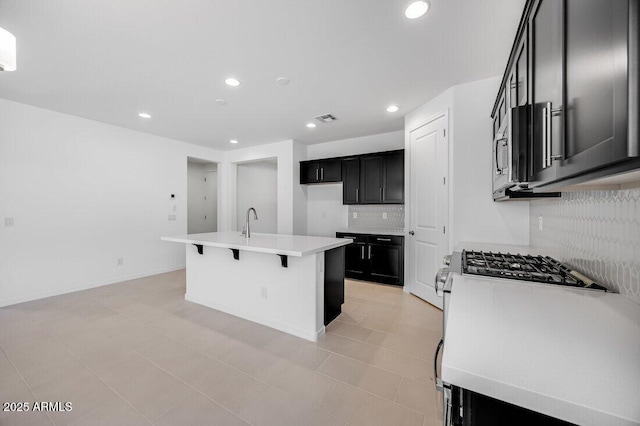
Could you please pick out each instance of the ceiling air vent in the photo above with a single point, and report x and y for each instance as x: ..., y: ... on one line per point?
x: 326, y: 118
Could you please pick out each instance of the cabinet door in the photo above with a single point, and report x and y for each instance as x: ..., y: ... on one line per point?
x: 522, y: 72
x: 309, y: 172
x: 371, y: 180
x: 596, y: 88
x: 386, y: 263
x: 331, y: 170
x: 356, y: 262
x: 393, y: 188
x: 351, y: 181
x: 545, y: 26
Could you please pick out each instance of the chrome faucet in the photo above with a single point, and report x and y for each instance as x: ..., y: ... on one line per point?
x: 247, y: 230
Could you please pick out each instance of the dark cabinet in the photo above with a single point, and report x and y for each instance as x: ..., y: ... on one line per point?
x: 545, y: 24
x: 356, y: 261
x: 371, y: 182
x: 377, y: 258
x: 351, y: 181
x: 393, y: 179
x: 596, y: 84
x: 583, y: 77
x: 333, y: 283
x: 367, y: 179
x: 321, y: 171
x: 382, y: 179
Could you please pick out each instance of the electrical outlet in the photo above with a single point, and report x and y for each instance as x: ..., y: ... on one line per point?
x: 355, y: 215
x: 120, y: 261
x: 384, y: 215
x: 539, y: 223
x: 8, y: 222
x: 263, y: 293
x: 172, y: 217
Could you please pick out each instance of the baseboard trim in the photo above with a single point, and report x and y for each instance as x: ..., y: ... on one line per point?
x: 44, y: 295
x: 307, y: 335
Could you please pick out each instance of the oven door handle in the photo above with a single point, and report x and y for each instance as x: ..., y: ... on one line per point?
x: 440, y: 385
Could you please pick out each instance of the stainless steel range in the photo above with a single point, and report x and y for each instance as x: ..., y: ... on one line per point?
x: 525, y: 268
x: 540, y: 269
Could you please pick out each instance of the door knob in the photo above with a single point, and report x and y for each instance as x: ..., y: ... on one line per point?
x: 412, y: 233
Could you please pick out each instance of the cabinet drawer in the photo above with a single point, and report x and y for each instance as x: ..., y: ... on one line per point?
x: 357, y: 238
x: 385, y: 239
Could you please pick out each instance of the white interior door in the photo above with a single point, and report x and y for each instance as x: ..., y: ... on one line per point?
x: 429, y: 207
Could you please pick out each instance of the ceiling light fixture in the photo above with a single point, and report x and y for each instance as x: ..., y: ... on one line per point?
x: 233, y: 141
x: 392, y: 108
x: 416, y: 9
x: 144, y: 115
x: 220, y: 102
x: 282, y: 81
x: 7, y: 51
x: 311, y: 125
x: 232, y: 82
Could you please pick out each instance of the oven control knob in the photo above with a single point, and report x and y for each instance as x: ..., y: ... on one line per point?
x: 447, y: 260
x: 441, y: 279
x: 443, y: 273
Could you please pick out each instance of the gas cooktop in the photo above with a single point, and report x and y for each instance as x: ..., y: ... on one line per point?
x: 542, y: 269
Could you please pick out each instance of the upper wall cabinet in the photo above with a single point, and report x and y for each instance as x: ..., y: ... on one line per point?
x: 321, y: 171
x: 366, y: 179
x: 351, y: 180
x: 581, y: 86
x: 381, y: 179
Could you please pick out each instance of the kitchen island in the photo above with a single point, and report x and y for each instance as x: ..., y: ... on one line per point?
x: 292, y: 283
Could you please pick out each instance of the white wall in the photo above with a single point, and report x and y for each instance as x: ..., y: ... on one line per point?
x: 325, y: 213
x: 354, y: 146
x: 292, y: 213
x: 473, y: 215
x: 82, y: 194
x: 202, y: 197
x: 257, y: 186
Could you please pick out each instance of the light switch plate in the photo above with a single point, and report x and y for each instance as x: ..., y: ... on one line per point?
x: 384, y: 215
x: 539, y: 223
x: 355, y: 215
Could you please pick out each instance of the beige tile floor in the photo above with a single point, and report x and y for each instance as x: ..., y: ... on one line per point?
x: 137, y: 353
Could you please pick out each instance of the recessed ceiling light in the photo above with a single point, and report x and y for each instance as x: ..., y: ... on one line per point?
x: 416, y: 9
x: 220, y: 102
x: 233, y: 141
x: 282, y: 81
x: 392, y: 108
x: 144, y: 115
x: 232, y: 82
x: 311, y: 125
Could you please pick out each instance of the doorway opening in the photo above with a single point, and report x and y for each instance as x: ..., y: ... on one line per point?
x: 202, y: 196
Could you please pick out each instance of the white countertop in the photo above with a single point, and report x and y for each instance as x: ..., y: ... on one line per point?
x: 570, y: 353
x: 290, y: 245
x: 373, y: 231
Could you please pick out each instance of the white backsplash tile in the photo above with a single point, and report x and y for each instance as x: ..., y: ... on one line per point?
x: 595, y: 232
x: 372, y: 217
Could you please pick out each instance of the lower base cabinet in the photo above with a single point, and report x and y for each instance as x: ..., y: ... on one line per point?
x: 334, y: 274
x: 377, y: 258
x: 473, y: 409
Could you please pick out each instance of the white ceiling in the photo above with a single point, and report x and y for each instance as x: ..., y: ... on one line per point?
x: 107, y: 60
